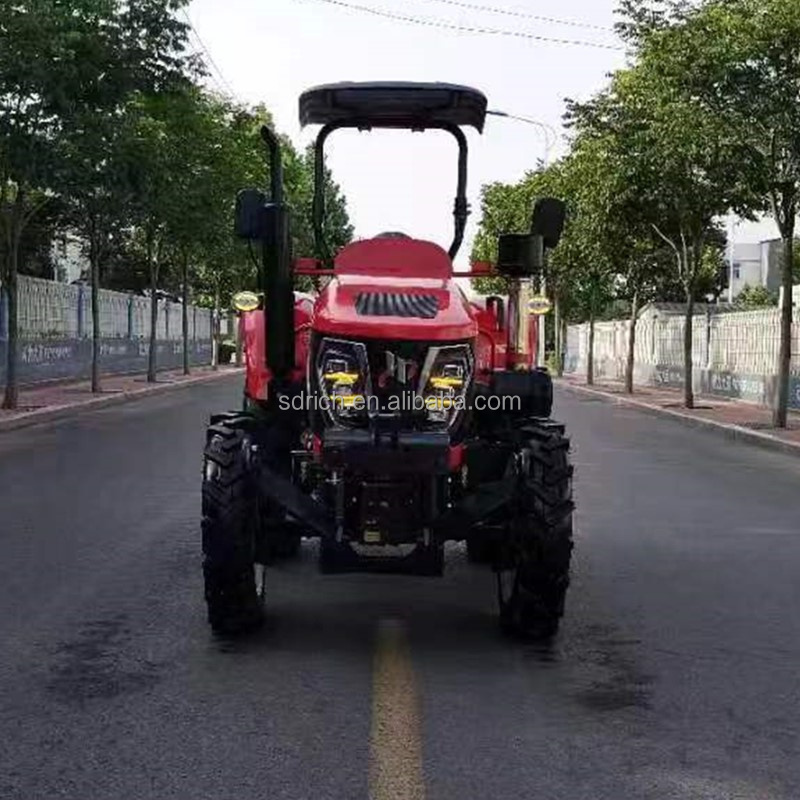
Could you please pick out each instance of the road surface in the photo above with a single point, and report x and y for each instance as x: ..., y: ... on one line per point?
x: 676, y: 674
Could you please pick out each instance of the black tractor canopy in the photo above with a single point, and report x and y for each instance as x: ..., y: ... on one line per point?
x: 416, y: 106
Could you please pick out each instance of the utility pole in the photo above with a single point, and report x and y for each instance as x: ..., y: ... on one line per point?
x: 732, y: 225
x: 550, y: 138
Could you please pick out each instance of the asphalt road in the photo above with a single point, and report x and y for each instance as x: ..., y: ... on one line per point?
x: 677, y: 673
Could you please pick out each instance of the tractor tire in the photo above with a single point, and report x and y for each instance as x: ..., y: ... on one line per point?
x: 539, y: 544
x: 479, y: 550
x: 230, y: 529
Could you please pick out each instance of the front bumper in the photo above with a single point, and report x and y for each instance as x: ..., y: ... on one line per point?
x: 387, y: 453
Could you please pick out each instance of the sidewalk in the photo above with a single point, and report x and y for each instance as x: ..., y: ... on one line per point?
x: 732, y: 418
x: 56, y: 401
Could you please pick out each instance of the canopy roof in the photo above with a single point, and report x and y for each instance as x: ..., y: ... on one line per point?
x: 393, y: 105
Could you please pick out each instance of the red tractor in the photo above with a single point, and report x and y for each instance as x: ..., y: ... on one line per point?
x: 389, y: 414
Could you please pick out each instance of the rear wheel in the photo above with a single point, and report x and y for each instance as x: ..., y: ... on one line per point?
x: 533, y: 568
x: 234, y: 583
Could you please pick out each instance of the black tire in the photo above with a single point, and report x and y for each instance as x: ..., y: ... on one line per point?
x: 230, y: 529
x: 480, y: 550
x: 539, y: 544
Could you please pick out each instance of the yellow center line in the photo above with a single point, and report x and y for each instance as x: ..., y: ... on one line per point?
x: 395, y: 740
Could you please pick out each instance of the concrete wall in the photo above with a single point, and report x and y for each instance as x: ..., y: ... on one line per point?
x: 60, y: 359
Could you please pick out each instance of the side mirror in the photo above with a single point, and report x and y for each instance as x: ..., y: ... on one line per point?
x: 520, y: 255
x: 549, y: 215
x: 248, y: 217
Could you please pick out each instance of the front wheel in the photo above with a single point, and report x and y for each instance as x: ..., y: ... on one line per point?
x: 234, y: 583
x: 533, y: 570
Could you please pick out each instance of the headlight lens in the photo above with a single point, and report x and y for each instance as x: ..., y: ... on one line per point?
x: 444, y: 382
x: 343, y: 378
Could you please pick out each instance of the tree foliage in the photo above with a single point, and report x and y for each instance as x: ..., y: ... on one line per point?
x: 755, y: 297
x: 702, y: 122
x: 107, y: 135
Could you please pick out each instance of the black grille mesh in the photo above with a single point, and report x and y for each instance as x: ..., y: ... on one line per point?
x: 392, y: 304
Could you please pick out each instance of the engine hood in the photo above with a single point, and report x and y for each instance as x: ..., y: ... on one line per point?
x: 393, y: 307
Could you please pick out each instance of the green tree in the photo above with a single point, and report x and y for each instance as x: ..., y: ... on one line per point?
x: 136, y: 49
x: 739, y: 60
x: 678, y: 165
x: 66, y: 70
x: 755, y: 297
x: 39, y: 66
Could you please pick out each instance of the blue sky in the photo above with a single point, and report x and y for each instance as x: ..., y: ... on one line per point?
x: 271, y: 50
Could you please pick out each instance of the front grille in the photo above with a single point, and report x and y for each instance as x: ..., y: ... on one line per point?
x: 394, y: 304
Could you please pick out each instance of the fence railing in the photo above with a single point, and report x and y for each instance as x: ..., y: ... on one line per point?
x: 55, y: 331
x: 50, y: 310
x: 733, y: 354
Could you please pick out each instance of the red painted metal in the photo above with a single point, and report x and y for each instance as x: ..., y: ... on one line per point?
x: 255, y: 347
x: 402, y: 258
x: 335, y: 310
x: 455, y: 457
x: 399, y: 266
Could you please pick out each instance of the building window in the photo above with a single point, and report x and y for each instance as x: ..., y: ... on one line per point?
x: 737, y: 272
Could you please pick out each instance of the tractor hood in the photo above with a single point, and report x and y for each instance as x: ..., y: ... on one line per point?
x: 394, y: 308
x: 394, y: 288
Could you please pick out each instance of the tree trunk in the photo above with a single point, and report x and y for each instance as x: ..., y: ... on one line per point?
x: 631, y: 362
x: 239, y: 342
x: 95, y: 280
x: 688, y: 335
x: 11, y: 395
x: 152, y: 362
x: 780, y: 413
x: 558, y: 334
x: 185, y: 319
x: 215, y: 331
x: 590, y: 362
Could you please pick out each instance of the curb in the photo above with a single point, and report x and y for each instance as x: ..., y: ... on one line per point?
x: 725, y: 429
x: 55, y: 413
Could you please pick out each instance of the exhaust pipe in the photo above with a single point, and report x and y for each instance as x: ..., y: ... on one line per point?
x: 519, y: 351
x: 277, y: 277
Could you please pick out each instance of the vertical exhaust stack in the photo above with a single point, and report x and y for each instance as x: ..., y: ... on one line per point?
x: 277, y: 277
x: 267, y: 221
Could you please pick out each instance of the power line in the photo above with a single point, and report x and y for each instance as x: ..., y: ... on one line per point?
x: 524, y: 15
x: 432, y: 23
x: 213, y: 64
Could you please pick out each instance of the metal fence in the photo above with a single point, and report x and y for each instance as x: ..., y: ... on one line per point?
x: 50, y: 310
x: 733, y: 354
x: 55, y: 331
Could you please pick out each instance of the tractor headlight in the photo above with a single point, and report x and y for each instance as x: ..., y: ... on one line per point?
x: 444, y: 382
x: 343, y: 379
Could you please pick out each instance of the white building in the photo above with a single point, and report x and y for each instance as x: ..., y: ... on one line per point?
x: 756, y: 264
x: 69, y: 258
